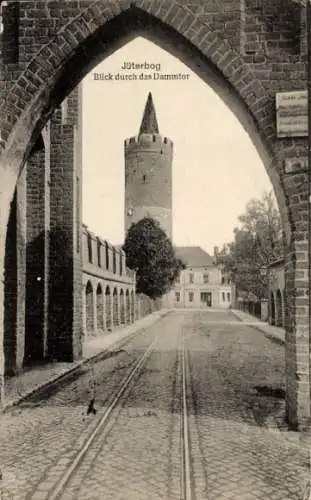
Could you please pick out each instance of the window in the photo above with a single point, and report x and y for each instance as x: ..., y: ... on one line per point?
x: 89, y: 247
x: 191, y: 278
x: 191, y: 294
x: 121, y: 263
x: 177, y: 296
x: 205, y: 278
x: 107, y: 254
x: 114, y: 261
x: 222, y: 280
x: 223, y: 297
x: 228, y: 297
x: 99, y: 262
x: 204, y: 296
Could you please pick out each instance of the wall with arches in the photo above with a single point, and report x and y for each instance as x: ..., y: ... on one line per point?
x: 108, y: 296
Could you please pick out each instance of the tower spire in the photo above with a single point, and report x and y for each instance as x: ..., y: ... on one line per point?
x: 149, y: 123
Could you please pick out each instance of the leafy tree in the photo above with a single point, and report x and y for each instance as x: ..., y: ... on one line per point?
x: 257, y: 242
x: 150, y: 252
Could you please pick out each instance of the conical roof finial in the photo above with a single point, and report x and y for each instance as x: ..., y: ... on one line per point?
x: 149, y: 124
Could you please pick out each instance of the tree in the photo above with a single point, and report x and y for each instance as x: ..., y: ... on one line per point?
x: 257, y: 242
x: 150, y: 252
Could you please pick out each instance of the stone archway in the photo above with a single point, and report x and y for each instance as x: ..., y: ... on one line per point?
x: 49, y: 72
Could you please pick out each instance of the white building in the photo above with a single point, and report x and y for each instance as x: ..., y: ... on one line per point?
x: 202, y: 284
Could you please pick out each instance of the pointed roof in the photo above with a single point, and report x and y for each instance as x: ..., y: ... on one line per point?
x: 149, y: 123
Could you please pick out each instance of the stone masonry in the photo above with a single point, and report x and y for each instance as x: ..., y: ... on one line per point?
x: 247, y: 50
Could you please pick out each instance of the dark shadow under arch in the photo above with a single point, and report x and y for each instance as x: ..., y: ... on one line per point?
x: 100, y: 307
x: 89, y: 308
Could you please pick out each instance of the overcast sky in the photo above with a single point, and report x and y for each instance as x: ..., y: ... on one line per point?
x: 216, y: 169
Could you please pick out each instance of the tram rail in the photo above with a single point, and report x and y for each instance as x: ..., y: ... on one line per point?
x: 187, y: 485
x: 59, y: 488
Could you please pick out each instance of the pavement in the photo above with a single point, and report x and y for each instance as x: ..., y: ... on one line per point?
x: 23, y: 385
x: 273, y: 332
x: 29, y: 382
x: 235, y: 387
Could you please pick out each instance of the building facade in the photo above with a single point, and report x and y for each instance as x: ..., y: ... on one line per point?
x: 202, y: 284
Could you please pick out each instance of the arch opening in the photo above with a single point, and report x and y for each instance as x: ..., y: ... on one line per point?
x: 128, y: 307
x: 90, y: 320
x: 108, y: 308
x: 134, y: 22
x: 115, y: 308
x: 100, y: 307
x: 122, y: 307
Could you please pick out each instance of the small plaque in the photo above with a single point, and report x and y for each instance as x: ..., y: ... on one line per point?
x: 297, y: 164
x: 292, y: 114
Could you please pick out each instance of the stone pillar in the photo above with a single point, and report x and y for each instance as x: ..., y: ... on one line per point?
x: 84, y: 328
x: 21, y: 268
x: 297, y: 320
x: 10, y: 292
x: 8, y: 180
x: 95, y: 320
x: 36, y: 255
x: 104, y: 306
x: 264, y: 310
x: 65, y: 286
x: 283, y: 307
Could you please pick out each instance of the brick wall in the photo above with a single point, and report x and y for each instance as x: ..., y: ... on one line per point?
x: 247, y: 51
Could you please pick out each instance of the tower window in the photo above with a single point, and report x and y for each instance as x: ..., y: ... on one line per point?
x: 165, y: 140
x: 144, y: 179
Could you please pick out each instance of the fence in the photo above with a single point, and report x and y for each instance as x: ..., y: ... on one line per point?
x: 144, y: 305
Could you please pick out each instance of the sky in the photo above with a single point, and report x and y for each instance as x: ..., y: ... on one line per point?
x: 216, y: 168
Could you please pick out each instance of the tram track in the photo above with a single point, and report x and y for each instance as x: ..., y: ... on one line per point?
x: 109, y: 417
x: 59, y: 488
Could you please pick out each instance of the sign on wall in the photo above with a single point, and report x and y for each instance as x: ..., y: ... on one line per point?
x: 292, y: 114
x: 294, y: 165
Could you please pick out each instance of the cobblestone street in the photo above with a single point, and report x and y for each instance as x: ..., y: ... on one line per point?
x: 240, y: 448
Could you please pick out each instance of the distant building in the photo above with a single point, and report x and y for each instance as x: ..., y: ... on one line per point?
x: 202, y: 284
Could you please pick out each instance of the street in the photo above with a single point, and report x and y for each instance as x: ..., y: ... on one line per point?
x: 239, y: 446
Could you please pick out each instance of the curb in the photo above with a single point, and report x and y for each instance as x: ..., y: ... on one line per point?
x: 58, y: 378
x: 257, y: 327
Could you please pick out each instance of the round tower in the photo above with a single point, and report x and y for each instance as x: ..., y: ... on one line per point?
x: 148, y: 173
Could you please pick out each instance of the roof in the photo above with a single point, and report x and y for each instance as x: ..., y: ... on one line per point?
x: 149, y: 124
x: 276, y: 262
x: 194, y: 256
